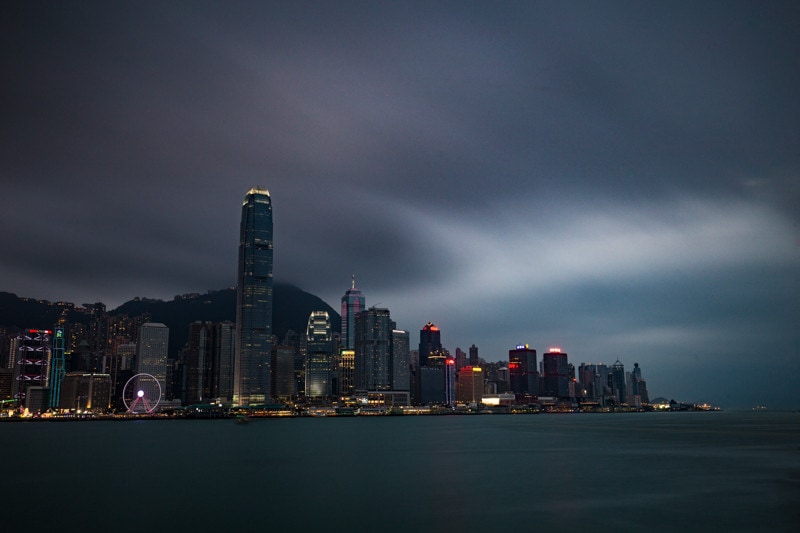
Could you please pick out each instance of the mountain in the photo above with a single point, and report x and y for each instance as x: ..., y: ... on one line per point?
x: 291, y: 308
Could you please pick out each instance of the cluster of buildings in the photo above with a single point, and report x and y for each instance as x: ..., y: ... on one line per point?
x: 122, y: 363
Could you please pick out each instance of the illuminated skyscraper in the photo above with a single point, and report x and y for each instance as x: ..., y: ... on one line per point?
x: 251, y: 384
x: 556, y: 373
x: 319, y: 355
x: 430, y: 340
x: 31, y: 352
x: 522, y: 374
x: 470, y: 385
x: 352, y: 304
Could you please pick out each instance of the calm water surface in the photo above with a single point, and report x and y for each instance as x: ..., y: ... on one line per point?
x: 723, y: 471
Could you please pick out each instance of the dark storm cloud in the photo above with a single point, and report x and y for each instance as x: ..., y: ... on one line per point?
x: 616, y: 177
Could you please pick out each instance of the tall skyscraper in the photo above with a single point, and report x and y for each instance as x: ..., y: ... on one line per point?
x: 618, y: 382
x: 222, y: 367
x: 373, y: 362
x: 556, y: 373
x: 430, y: 340
x: 151, y: 352
x: 32, y: 354
x: 401, y: 360
x: 319, y: 355
x: 198, y: 358
x: 522, y: 374
x: 251, y: 385
x: 352, y: 304
x: 474, y: 360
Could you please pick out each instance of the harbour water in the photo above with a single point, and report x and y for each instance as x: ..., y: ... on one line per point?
x: 707, y: 471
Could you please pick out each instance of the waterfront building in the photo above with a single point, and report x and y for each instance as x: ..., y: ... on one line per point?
x: 636, y: 387
x: 31, y: 354
x: 353, y: 302
x: 57, y: 368
x: 401, y: 361
x: 345, y: 372
x: 450, y: 381
x: 6, y: 381
x: 373, y: 363
x: 522, y: 371
x: 84, y: 392
x: 556, y: 374
x: 283, y: 376
x: 197, y: 358
x: 432, y: 391
x: 618, y: 382
x: 470, y: 385
x: 319, y: 356
x: 251, y: 385
x: 222, y: 360
x: 151, y: 352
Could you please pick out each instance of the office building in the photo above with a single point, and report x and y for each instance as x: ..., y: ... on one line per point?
x: 401, y: 361
x: 470, y: 385
x: 31, y: 355
x: 474, y: 360
x: 430, y: 340
x: 618, y: 388
x: 346, y: 372
x: 353, y: 302
x: 556, y: 374
x: 373, y: 358
x: 319, y: 355
x: 522, y: 371
x: 151, y: 352
x: 84, y: 392
x: 253, y: 353
x: 283, y: 374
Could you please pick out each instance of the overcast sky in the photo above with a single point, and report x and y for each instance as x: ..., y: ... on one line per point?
x: 619, y: 179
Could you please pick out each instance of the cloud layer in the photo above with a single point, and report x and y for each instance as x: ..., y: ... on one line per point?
x: 620, y: 179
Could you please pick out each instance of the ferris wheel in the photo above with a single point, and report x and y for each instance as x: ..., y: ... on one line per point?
x: 141, y: 394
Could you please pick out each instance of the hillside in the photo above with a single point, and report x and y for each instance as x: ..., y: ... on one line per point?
x: 291, y: 307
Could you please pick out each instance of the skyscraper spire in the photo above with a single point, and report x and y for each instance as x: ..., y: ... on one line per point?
x: 352, y: 303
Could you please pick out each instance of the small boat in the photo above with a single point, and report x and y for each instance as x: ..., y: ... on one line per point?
x: 242, y: 419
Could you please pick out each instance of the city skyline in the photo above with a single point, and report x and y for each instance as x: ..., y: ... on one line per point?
x: 617, y: 179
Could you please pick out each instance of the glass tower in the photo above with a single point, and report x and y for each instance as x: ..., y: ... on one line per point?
x: 352, y: 304
x: 373, y: 361
x: 251, y: 385
x: 319, y: 355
